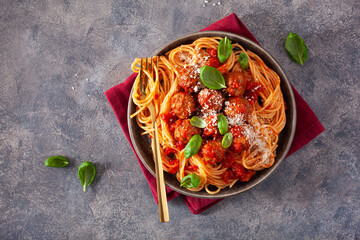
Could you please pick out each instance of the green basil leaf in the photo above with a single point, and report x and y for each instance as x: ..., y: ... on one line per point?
x: 212, y: 78
x: 243, y: 60
x: 56, y: 161
x: 222, y: 124
x: 86, y: 173
x: 224, y: 49
x: 227, y: 140
x: 190, y: 181
x: 198, y: 122
x: 193, y: 146
x: 296, y: 48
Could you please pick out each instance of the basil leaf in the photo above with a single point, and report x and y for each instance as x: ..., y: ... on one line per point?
x: 224, y: 49
x: 227, y: 140
x: 243, y: 60
x: 296, y: 48
x: 193, y: 146
x: 212, y: 78
x: 198, y: 122
x: 222, y: 124
x: 86, y: 173
x: 190, y: 181
x: 56, y: 161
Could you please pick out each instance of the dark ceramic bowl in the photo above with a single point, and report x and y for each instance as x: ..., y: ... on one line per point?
x: 142, y: 143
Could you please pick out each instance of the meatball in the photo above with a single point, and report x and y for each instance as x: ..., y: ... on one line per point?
x: 213, y: 151
x: 210, y: 100
x: 230, y: 158
x: 237, y: 106
x: 188, y: 79
x: 208, y: 58
x: 239, y: 144
x: 236, y: 83
x: 184, y: 130
x: 211, y: 126
x: 183, y: 105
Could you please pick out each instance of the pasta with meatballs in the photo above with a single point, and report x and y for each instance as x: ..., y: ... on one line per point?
x: 194, y: 94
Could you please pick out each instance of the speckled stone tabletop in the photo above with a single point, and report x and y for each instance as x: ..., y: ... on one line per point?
x: 57, y: 58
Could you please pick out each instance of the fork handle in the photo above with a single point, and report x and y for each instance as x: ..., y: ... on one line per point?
x: 160, y: 183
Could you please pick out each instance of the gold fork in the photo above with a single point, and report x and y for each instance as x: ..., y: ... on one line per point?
x: 160, y: 184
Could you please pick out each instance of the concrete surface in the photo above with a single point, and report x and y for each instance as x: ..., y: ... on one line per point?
x: 58, y: 57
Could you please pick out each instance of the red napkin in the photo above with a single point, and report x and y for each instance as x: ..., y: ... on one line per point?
x: 307, y: 128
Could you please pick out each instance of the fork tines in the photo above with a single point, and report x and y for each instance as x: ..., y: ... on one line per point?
x: 144, y: 77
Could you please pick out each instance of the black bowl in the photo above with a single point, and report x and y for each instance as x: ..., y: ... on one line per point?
x: 142, y: 143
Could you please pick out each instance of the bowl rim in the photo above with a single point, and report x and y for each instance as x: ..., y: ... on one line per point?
x: 245, y: 41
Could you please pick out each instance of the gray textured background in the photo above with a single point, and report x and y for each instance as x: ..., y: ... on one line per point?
x: 58, y: 57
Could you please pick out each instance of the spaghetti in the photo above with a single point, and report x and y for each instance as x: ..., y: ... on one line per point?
x: 252, y: 103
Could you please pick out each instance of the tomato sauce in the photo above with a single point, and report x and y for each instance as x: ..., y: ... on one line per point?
x: 252, y: 91
x: 235, y: 170
x: 213, y: 61
x: 169, y: 151
x: 174, y: 166
x: 192, y: 168
x: 169, y: 118
x: 236, y: 131
x: 180, y: 145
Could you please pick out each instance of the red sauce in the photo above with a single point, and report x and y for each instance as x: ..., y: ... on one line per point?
x: 173, y: 163
x: 174, y: 166
x: 237, y: 147
x: 192, y: 168
x: 180, y: 145
x: 254, y: 86
x: 212, y: 52
x: 169, y: 118
x: 209, y: 152
x: 236, y: 131
x: 230, y: 159
x: 242, y: 173
x: 235, y: 170
x: 169, y: 151
x: 213, y: 61
x: 252, y: 91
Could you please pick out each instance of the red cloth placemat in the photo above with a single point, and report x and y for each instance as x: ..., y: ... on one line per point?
x: 307, y: 128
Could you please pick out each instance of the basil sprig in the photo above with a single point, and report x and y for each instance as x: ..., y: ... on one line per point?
x: 86, y: 173
x: 212, y: 78
x: 243, y: 60
x: 296, y: 48
x: 224, y: 49
x: 56, y: 161
x: 227, y: 140
x: 222, y: 124
x: 198, y: 122
x: 193, y: 146
x: 190, y: 181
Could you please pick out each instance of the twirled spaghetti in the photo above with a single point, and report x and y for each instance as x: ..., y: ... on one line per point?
x: 252, y: 103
